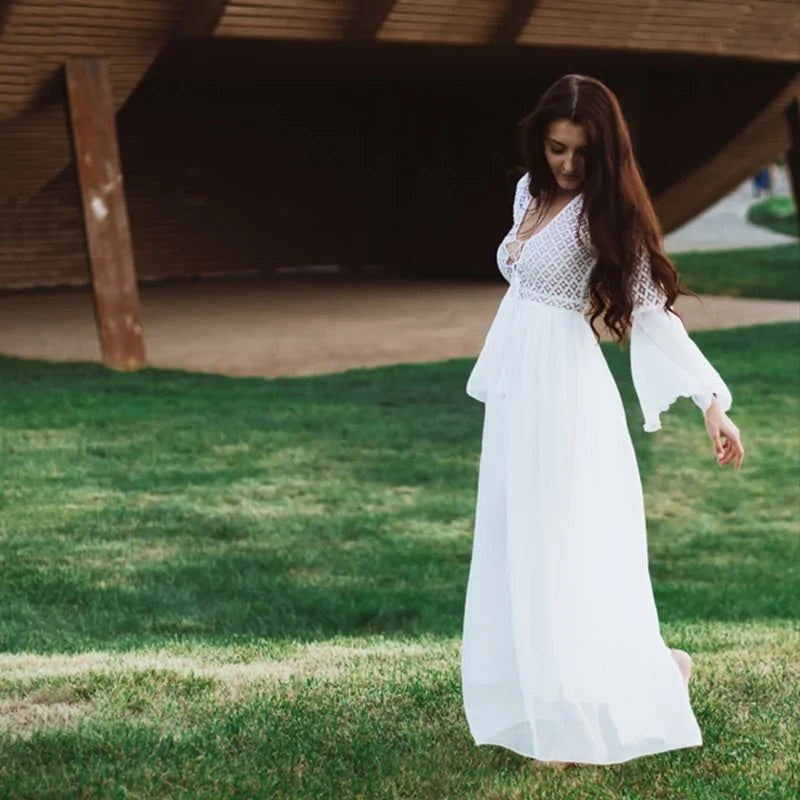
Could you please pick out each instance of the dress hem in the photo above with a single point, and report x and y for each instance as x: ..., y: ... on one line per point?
x: 605, y: 762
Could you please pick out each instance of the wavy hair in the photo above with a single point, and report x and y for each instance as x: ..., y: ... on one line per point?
x: 617, y: 205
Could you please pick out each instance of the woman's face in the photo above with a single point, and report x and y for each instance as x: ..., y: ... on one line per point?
x: 565, y: 150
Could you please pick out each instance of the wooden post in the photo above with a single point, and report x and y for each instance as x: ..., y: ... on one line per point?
x: 792, y: 114
x: 105, y: 214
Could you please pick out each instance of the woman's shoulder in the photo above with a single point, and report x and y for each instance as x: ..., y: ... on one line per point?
x: 523, y: 183
x: 521, y: 196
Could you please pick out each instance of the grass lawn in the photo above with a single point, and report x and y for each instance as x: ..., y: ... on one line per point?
x: 779, y: 214
x: 766, y: 272
x: 216, y: 588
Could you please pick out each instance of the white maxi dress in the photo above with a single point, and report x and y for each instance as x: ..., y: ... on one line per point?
x: 562, y: 658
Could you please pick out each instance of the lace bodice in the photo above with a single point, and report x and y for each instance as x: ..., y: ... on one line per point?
x: 553, y: 267
x: 554, y: 264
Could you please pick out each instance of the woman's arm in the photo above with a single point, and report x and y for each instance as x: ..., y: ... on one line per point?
x: 667, y: 364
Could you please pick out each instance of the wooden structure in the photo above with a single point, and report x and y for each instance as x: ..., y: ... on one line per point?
x: 257, y: 134
x: 105, y: 213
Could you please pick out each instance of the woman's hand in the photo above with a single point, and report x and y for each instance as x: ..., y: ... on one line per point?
x: 724, y: 436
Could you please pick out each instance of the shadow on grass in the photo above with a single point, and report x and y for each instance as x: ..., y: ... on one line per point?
x: 149, y: 506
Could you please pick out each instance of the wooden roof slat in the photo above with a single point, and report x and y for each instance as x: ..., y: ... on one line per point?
x: 277, y: 13
x: 451, y: 6
x: 297, y: 4
x: 95, y: 43
x: 235, y: 7
x: 310, y: 16
x: 560, y: 15
x: 725, y: 13
x: 88, y: 15
x: 140, y: 7
x: 444, y: 35
x: 33, y: 33
x: 443, y: 12
x: 290, y: 27
x: 291, y: 30
x: 14, y: 71
x: 647, y: 7
x: 440, y: 19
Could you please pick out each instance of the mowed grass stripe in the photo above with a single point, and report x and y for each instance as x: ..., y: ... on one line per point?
x: 386, y: 724
x: 759, y: 272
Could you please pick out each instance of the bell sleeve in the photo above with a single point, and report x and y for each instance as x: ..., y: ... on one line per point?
x: 665, y: 362
x: 487, y: 375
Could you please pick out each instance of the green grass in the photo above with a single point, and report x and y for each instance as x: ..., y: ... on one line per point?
x: 765, y: 272
x: 779, y: 214
x: 253, y: 588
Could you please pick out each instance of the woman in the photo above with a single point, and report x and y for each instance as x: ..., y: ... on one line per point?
x: 562, y: 659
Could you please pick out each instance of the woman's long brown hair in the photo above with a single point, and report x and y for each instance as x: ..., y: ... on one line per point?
x: 616, y: 204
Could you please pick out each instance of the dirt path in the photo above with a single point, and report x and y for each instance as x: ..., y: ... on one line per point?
x: 292, y: 327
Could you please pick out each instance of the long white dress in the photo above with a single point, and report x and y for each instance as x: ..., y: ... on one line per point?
x: 562, y: 658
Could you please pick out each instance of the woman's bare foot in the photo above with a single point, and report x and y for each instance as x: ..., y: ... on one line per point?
x: 684, y: 662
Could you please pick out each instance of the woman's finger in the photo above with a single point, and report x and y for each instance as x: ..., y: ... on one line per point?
x: 733, y: 452
x: 738, y: 450
x: 728, y: 454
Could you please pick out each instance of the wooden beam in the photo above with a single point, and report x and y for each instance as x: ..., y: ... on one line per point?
x: 368, y: 18
x: 792, y: 115
x: 105, y: 214
x: 201, y: 17
x: 5, y: 13
x: 512, y: 21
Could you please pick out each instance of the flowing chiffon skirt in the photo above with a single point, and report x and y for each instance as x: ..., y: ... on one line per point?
x: 562, y: 657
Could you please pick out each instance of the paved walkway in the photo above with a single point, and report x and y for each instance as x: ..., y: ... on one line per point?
x: 291, y: 327
x: 724, y: 226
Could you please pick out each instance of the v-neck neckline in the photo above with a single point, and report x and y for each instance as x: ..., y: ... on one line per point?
x: 523, y: 242
x: 512, y: 260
